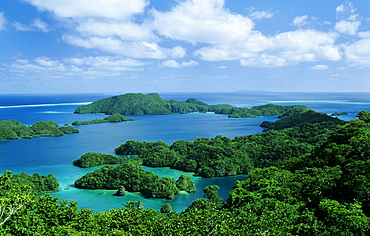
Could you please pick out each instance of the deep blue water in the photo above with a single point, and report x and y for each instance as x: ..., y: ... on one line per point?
x: 54, y: 155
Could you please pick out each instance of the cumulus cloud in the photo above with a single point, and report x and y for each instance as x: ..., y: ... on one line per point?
x: 348, y: 23
x: 283, y: 49
x: 123, y: 30
x: 175, y: 64
x: 358, y: 53
x: 202, y: 21
x: 347, y: 27
x: 112, y: 9
x: 135, y: 49
x: 300, y: 21
x: 3, y: 21
x: 216, y: 33
x: 319, y: 67
x: 259, y: 15
x: 37, y: 25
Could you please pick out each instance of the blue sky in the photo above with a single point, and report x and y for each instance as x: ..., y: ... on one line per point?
x: 72, y: 46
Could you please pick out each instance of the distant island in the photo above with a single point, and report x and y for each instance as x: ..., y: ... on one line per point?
x: 12, y: 129
x: 110, y: 119
x: 153, y: 104
x: 339, y: 114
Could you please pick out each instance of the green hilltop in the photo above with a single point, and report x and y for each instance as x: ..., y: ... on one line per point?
x: 153, y: 104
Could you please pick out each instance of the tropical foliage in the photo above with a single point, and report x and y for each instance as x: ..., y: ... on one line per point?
x: 91, y: 159
x: 222, y: 156
x: 324, y: 191
x: 113, y: 118
x: 12, y: 129
x: 133, y: 178
x: 152, y: 103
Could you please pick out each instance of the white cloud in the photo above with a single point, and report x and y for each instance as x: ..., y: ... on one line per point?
x: 135, y: 49
x: 202, y: 21
x: 46, y: 62
x: 3, y: 21
x: 75, y: 67
x: 175, y: 64
x: 259, y: 15
x: 106, y: 62
x: 37, y: 25
x: 111, y: 9
x: 283, y: 49
x: 124, y: 30
x: 300, y: 21
x: 358, y: 53
x: 319, y: 67
x: 347, y: 27
x: 349, y: 21
x: 346, y: 7
x: 365, y: 34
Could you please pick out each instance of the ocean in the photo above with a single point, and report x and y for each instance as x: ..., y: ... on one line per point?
x: 54, y: 155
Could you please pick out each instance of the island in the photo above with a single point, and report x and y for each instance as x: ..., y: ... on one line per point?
x: 12, y: 129
x: 130, y: 176
x: 153, y: 104
x: 91, y: 159
x: 339, y: 114
x: 309, y: 179
x: 115, y: 118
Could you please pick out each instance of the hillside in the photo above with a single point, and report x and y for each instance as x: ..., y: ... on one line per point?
x: 153, y: 104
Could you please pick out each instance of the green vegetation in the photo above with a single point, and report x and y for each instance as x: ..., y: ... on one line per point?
x: 113, y: 118
x: 339, y: 114
x: 12, y: 129
x: 38, y: 183
x: 310, y: 117
x: 153, y: 104
x: 269, y: 110
x: 325, y: 191
x: 133, y: 178
x: 222, y: 156
x: 121, y: 191
x: 166, y: 208
x: 91, y: 159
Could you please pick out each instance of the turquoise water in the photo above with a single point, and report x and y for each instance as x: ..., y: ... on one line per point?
x: 54, y: 155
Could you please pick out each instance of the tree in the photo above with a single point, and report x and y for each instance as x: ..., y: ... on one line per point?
x: 166, y: 208
x: 12, y: 197
x: 210, y: 192
x: 121, y: 191
x: 364, y: 115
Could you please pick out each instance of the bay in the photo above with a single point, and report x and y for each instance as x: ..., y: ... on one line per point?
x: 54, y: 155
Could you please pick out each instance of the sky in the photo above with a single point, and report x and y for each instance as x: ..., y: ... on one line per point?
x: 85, y: 46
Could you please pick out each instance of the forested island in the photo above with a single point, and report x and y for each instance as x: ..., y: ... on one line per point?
x: 320, y: 188
x: 91, y: 159
x: 339, y: 114
x: 115, y: 118
x: 130, y: 176
x: 12, y: 129
x: 153, y: 104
